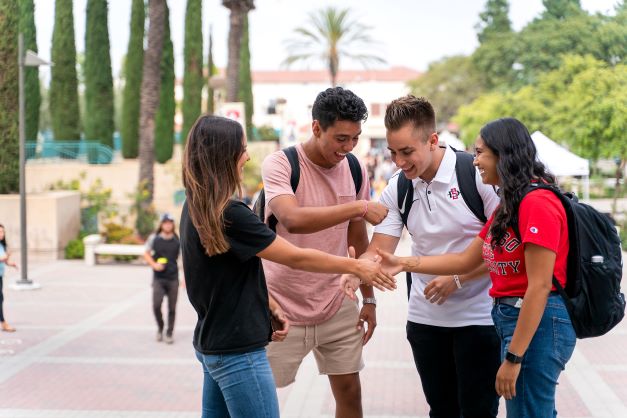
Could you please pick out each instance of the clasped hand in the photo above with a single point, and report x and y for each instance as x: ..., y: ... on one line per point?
x: 384, y: 267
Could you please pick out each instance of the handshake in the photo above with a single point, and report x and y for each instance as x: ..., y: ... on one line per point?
x: 378, y: 271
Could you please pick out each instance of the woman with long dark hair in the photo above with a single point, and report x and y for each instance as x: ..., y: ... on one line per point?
x: 222, y: 241
x: 5, y: 256
x: 537, y: 337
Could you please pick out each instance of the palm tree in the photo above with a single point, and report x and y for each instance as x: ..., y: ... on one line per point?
x: 330, y: 34
x: 151, y: 87
x: 238, y: 8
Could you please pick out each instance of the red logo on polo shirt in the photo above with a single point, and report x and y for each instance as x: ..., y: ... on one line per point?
x: 453, y: 193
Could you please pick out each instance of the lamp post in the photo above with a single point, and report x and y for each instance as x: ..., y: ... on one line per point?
x: 28, y: 59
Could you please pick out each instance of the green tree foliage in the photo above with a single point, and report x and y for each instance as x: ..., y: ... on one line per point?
x: 192, y: 77
x: 133, y: 81
x: 245, y: 93
x: 32, y: 93
x: 561, y: 9
x: 9, y: 135
x: 449, y: 84
x: 164, y: 118
x: 543, y: 42
x: 494, y: 20
x: 331, y: 34
x: 582, y: 104
x: 64, y: 109
x: 613, y: 36
x: 495, y: 62
x: 98, y: 78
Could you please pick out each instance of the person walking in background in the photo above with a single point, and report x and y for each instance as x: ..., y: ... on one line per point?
x: 162, y: 252
x: 537, y: 336
x: 222, y: 242
x: 328, y: 210
x: 5, y: 256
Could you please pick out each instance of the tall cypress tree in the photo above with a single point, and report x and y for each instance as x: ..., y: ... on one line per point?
x: 133, y: 81
x: 210, y: 73
x: 98, y: 78
x: 245, y: 93
x: 192, y: 77
x: 9, y: 135
x: 164, y: 118
x: 32, y: 93
x: 64, y: 84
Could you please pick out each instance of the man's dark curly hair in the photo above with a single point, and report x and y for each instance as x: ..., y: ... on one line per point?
x: 335, y: 104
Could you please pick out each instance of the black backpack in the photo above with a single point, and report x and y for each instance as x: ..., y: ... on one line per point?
x: 465, y: 171
x: 594, y: 267
x: 259, y: 208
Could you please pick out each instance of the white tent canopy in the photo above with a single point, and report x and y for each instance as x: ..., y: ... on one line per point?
x: 560, y: 161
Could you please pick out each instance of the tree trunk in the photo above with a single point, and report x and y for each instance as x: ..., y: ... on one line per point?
x: 151, y: 86
x: 236, y: 26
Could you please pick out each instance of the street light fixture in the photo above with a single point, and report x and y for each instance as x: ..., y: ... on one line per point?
x: 28, y: 59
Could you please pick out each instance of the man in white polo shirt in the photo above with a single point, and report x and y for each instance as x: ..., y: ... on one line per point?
x: 449, y: 326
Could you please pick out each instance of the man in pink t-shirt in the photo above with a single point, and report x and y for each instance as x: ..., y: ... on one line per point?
x: 328, y: 214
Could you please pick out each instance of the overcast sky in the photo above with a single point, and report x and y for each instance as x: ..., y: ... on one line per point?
x: 411, y: 33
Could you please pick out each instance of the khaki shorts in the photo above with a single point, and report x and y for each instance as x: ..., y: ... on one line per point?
x: 336, y: 344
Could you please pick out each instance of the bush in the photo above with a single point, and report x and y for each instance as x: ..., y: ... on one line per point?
x: 75, y: 249
x: 115, y: 233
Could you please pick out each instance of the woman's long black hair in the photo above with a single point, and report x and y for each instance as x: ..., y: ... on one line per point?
x: 517, y: 167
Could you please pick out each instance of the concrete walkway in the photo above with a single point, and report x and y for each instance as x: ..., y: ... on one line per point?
x: 85, y: 348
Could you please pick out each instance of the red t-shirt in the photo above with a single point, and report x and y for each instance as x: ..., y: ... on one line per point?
x: 542, y: 221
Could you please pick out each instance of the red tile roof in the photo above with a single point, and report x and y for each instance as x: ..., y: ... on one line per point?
x: 402, y: 74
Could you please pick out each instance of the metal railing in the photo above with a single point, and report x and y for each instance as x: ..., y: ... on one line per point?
x: 91, y: 152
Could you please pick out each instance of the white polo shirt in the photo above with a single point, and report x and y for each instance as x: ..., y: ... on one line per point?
x: 440, y: 222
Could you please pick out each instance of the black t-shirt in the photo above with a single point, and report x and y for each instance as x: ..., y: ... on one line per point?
x: 228, y: 291
x: 168, y: 249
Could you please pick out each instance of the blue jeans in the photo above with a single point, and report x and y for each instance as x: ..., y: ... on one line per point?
x: 238, y: 386
x: 550, y: 349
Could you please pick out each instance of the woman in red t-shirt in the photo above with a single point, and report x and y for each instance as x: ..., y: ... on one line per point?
x: 537, y: 337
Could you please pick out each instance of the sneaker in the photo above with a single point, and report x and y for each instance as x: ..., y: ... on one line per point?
x: 159, y: 336
x: 168, y: 339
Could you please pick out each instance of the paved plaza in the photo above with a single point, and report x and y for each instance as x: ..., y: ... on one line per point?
x: 85, y: 348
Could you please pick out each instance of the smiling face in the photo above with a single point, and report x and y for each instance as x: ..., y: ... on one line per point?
x: 486, y: 162
x: 336, y: 141
x: 412, y: 150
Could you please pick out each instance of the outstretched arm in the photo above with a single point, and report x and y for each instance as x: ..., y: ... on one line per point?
x: 446, y: 264
x: 308, y: 259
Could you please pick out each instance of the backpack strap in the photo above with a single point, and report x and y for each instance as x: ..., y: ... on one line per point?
x: 466, y: 173
x: 404, y: 196
x: 292, y: 156
x: 353, y: 163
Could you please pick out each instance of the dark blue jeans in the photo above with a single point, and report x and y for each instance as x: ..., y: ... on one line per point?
x: 238, y: 386
x: 549, y: 350
x: 457, y: 368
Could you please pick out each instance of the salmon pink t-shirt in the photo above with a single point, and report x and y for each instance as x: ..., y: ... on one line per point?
x: 310, y: 298
x: 541, y: 221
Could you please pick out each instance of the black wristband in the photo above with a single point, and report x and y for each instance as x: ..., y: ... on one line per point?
x: 513, y: 358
